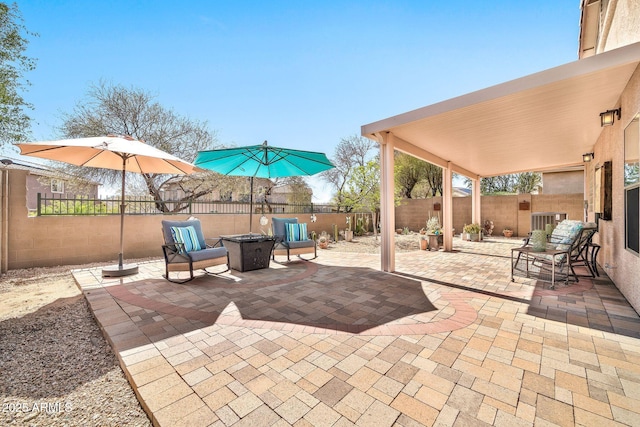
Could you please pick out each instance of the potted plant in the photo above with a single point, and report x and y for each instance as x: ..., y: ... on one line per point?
x: 348, y: 233
x: 507, y: 232
x: 423, y: 239
x: 472, y: 232
x: 323, y: 242
x: 434, y: 228
x: 488, y: 227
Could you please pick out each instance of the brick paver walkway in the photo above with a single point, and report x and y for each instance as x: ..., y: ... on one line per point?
x: 447, y: 340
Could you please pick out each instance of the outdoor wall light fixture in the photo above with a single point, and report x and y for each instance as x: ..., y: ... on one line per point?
x: 608, y: 117
x: 587, y: 157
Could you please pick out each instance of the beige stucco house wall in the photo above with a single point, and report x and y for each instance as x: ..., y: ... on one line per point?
x: 620, y: 264
x: 606, y: 25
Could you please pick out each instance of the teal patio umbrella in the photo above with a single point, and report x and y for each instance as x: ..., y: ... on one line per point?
x: 262, y: 161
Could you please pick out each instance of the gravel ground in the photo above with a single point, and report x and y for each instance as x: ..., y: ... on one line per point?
x: 56, y: 369
x: 371, y: 244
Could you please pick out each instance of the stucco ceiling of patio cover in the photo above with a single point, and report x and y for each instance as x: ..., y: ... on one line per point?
x: 543, y: 121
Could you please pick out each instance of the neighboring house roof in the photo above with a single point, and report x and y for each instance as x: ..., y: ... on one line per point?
x: 34, y: 169
x: 546, y: 120
x: 11, y: 164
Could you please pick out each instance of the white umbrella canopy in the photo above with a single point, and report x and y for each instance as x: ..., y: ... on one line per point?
x: 110, y: 152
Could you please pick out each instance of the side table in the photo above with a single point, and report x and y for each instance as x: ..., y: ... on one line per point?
x: 530, y: 255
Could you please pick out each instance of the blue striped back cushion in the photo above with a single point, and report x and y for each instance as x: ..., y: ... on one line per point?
x: 296, y: 232
x: 186, y: 236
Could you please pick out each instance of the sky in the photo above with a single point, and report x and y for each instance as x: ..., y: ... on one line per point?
x: 298, y: 74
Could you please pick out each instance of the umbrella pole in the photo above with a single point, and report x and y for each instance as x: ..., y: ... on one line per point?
x: 122, y: 207
x: 121, y: 269
x: 250, y: 204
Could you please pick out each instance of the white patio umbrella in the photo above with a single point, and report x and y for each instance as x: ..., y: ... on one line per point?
x: 110, y: 152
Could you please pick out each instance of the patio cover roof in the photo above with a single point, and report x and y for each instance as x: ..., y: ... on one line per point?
x: 543, y: 121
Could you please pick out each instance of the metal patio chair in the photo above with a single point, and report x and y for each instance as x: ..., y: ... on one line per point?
x: 186, y: 249
x: 292, y: 243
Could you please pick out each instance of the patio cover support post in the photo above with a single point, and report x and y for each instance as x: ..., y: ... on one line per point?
x: 387, y: 205
x: 447, y: 207
x: 476, y: 211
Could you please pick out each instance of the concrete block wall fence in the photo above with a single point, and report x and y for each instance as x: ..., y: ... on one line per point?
x: 74, y: 240
x: 504, y: 211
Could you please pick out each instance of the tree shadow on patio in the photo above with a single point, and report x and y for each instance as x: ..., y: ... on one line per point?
x: 348, y: 299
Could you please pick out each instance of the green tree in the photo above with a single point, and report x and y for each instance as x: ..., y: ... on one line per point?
x: 631, y: 173
x: 526, y: 182
x: 14, y: 121
x: 416, y: 178
x: 114, y: 109
x: 297, y: 191
x: 362, y: 190
x: 497, y: 184
x: 408, y: 172
x: 433, y: 179
x: 350, y: 153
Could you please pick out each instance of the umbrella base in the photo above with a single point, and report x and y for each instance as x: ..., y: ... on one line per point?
x: 117, y: 271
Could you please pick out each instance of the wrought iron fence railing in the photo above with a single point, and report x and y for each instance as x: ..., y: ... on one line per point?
x: 80, y: 205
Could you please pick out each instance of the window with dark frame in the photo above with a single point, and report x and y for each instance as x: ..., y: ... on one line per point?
x: 57, y: 186
x: 632, y: 185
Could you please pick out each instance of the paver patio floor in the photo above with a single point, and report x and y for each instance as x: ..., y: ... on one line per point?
x: 446, y: 340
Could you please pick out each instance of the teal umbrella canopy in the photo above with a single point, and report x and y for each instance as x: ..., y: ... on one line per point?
x: 263, y: 161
